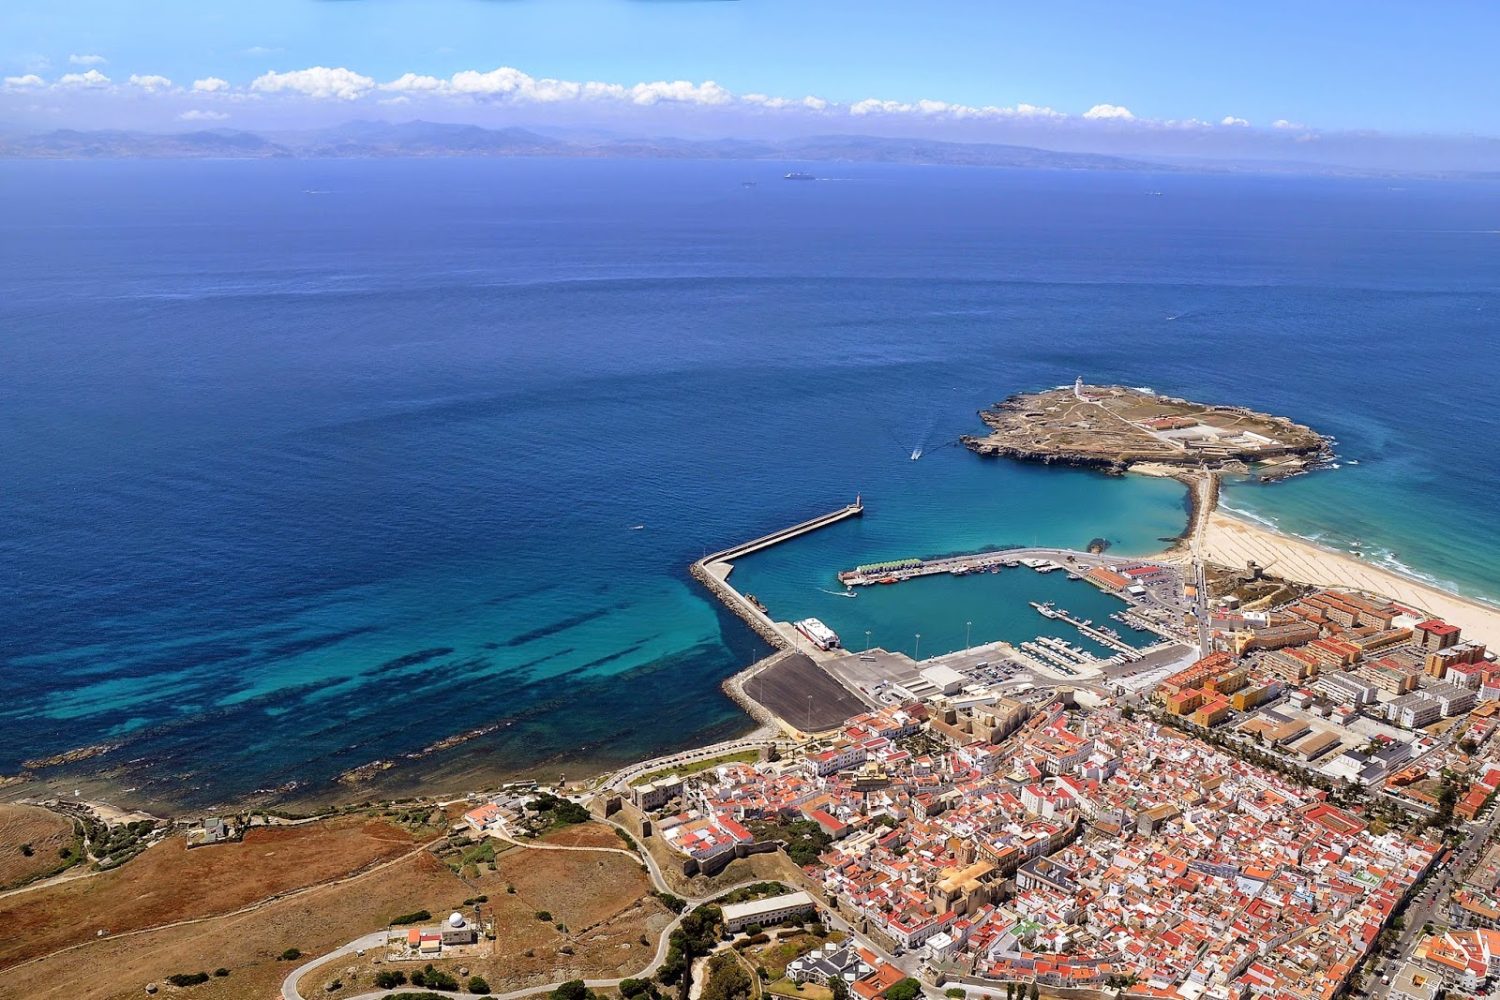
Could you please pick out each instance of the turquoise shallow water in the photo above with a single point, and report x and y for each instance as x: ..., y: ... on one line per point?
x: 299, y: 481
x: 951, y: 501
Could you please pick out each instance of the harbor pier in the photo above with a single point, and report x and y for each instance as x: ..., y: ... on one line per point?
x: 713, y: 572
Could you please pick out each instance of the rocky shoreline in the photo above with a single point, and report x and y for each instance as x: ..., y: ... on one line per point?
x: 1101, y: 428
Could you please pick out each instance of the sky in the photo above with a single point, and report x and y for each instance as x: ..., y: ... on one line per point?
x: 1186, y: 74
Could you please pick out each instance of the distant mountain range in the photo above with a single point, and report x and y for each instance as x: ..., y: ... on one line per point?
x: 421, y: 138
x: 369, y: 139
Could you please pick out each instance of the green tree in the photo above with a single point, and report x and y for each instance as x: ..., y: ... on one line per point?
x: 838, y: 988
x: 573, y: 989
x: 906, y: 989
x: 478, y: 985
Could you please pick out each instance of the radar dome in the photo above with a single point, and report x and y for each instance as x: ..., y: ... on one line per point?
x: 456, y: 920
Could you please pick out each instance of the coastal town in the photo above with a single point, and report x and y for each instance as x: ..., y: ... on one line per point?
x: 1267, y: 820
x: 1239, y: 785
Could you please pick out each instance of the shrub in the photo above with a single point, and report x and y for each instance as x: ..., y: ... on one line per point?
x: 478, y: 985
x: 388, y: 979
x: 411, y: 918
x: 433, y: 978
x: 290, y: 955
x: 671, y: 902
x: 955, y: 992
x: 221, y: 972
x: 27, y: 850
x: 185, y: 979
x: 544, y: 916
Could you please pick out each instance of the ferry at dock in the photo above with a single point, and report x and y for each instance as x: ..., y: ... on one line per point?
x: 817, y: 633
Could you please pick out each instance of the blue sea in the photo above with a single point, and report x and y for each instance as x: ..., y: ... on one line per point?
x: 309, y: 464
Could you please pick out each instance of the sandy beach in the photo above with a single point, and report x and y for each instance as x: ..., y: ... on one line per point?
x: 1232, y: 541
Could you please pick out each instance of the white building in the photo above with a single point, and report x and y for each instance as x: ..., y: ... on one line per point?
x: 770, y: 910
x: 945, y: 679
x: 655, y: 794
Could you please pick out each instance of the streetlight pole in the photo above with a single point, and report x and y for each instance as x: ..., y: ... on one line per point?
x: 867, y: 640
x: 968, y: 626
x: 917, y: 652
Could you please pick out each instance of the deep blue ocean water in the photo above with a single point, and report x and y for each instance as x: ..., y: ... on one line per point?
x: 309, y: 464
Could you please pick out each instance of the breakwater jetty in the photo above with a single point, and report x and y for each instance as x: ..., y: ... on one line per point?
x: 713, y: 571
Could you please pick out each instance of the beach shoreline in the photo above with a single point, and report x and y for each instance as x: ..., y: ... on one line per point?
x: 1232, y: 540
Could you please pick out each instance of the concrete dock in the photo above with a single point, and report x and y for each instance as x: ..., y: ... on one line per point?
x: 721, y: 563
x: 713, y: 572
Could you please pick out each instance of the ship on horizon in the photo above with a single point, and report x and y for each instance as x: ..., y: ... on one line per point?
x: 797, y: 175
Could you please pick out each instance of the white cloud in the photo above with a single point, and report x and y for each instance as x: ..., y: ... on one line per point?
x: 150, y: 82
x: 320, y: 82
x: 1032, y: 111
x: 511, y: 85
x: 942, y: 109
x: 92, y: 79
x: 871, y: 106
x: 680, y: 91
x: 86, y: 60
x: 256, y: 51
x: 416, y: 82
x: 1283, y: 123
x: 202, y: 115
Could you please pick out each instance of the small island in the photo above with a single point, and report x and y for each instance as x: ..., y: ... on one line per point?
x: 1118, y: 429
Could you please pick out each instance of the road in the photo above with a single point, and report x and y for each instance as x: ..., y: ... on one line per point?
x: 1431, y: 897
x: 622, y: 778
x: 289, y: 984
